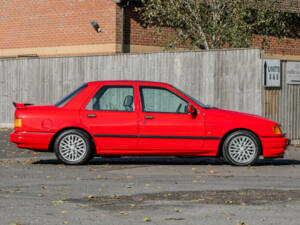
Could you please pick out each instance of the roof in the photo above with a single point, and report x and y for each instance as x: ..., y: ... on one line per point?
x: 127, y: 81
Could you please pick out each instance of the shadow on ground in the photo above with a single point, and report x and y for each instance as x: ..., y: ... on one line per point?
x: 171, y: 161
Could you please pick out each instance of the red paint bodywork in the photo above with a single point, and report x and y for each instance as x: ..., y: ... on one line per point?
x: 121, y: 132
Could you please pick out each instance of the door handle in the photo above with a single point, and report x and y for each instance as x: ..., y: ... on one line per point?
x: 149, y: 117
x: 92, y: 115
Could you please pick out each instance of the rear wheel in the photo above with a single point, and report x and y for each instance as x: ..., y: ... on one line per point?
x: 241, y: 148
x: 73, y: 147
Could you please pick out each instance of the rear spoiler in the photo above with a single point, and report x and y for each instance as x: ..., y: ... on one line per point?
x: 21, y: 105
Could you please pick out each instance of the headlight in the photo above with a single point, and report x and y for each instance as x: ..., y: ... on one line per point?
x: 277, y: 130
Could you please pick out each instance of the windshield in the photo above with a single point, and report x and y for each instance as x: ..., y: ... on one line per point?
x: 67, y: 98
x: 192, y: 98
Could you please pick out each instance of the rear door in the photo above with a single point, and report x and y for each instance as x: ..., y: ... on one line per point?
x: 165, y: 127
x: 111, y: 117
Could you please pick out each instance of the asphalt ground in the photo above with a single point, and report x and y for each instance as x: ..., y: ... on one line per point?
x: 35, y: 188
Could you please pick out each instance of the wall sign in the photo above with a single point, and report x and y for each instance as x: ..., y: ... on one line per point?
x: 293, y: 72
x: 272, y: 73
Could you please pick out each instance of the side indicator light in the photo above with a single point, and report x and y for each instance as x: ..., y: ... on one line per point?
x: 277, y: 130
x: 18, y: 123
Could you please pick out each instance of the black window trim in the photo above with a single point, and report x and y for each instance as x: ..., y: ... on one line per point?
x: 112, y: 86
x: 66, y: 99
x: 163, y: 88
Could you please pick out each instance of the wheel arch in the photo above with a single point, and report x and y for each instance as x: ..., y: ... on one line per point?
x: 51, y: 145
x: 220, y: 153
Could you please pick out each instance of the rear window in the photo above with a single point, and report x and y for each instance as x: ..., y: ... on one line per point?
x: 68, y: 98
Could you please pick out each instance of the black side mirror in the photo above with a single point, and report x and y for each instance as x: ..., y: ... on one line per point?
x: 192, y: 110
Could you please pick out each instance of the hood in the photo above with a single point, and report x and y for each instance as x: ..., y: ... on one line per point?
x: 239, y: 116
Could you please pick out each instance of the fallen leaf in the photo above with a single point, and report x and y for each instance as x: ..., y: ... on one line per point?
x: 65, y: 222
x: 123, y: 213
x: 211, y: 171
x: 180, y: 218
x: 198, y: 200
x: 147, y: 219
x: 64, y: 212
x: 178, y: 210
x: 132, y: 205
x: 91, y: 169
x: 228, y: 202
x: 91, y: 196
x: 45, y: 187
x: 58, y: 201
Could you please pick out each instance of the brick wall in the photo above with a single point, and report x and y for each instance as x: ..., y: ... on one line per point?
x: 287, y: 46
x: 46, y: 23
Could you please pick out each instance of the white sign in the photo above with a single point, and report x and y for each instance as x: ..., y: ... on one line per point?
x: 272, y: 72
x: 293, y: 72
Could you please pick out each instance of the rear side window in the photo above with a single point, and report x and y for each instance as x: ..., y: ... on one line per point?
x: 113, y: 98
x: 68, y: 98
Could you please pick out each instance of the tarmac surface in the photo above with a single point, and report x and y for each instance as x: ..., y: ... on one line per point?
x: 36, y: 189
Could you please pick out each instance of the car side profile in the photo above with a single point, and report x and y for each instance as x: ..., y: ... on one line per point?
x: 125, y: 118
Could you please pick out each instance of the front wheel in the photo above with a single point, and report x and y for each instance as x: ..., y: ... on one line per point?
x: 73, y: 147
x: 241, y: 148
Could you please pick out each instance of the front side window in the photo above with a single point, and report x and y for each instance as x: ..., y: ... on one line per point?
x: 162, y: 100
x: 113, y: 98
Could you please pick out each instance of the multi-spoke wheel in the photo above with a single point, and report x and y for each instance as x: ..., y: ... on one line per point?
x: 73, y: 147
x: 241, y: 148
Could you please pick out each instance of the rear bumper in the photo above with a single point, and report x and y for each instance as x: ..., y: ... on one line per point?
x: 274, y: 146
x: 32, y: 140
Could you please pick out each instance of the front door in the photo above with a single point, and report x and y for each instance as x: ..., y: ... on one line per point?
x: 112, y: 119
x: 165, y: 127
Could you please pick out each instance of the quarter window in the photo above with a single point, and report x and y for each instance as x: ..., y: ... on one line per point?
x: 113, y: 98
x: 162, y: 100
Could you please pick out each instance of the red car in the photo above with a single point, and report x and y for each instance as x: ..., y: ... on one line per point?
x: 121, y: 118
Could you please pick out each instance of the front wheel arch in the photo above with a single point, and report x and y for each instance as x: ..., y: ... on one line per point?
x: 51, y: 145
x: 220, y: 147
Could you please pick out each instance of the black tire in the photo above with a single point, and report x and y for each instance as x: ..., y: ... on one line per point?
x: 241, y: 148
x: 73, y: 143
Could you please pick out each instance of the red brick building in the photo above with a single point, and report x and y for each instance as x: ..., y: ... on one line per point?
x: 63, y: 27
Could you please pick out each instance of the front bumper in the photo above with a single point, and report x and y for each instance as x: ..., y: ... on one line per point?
x: 274, y: 146
x: 32, y: 140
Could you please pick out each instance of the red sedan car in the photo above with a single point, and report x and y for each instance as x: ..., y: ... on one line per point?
x: 121, y: 118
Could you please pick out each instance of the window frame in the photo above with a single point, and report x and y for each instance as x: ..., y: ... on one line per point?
x: 162, y: 88
x: 105, y: 87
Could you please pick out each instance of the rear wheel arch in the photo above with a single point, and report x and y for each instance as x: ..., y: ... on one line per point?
x: 220, y: 153
x: 92, y: 142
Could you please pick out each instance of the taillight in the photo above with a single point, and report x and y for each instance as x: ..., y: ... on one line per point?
x: 18, y: 123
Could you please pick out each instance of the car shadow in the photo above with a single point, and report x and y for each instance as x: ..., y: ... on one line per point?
x: 170, y: 161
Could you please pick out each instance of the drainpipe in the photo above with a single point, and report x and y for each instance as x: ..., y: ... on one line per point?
x: 123, y: 4
x: 123, y: 28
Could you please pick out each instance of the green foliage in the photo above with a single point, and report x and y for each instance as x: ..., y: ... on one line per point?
x: 210, y: 24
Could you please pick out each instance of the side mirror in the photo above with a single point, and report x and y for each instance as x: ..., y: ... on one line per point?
x: 192, y: 110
